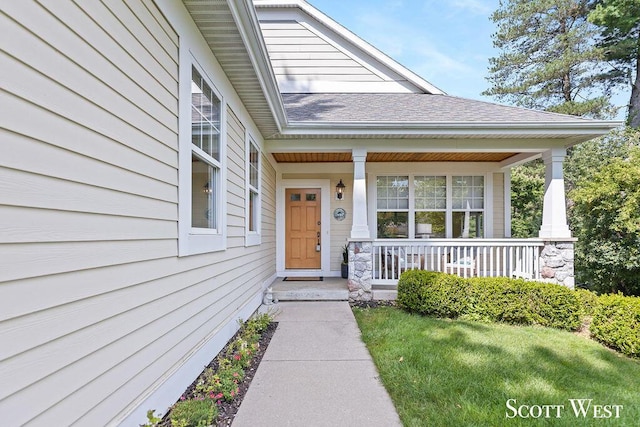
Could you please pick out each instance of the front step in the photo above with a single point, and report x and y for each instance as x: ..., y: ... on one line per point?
x: 330, y: 289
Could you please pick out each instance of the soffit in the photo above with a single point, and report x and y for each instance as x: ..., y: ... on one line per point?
x: 216, y: 22
x: 391, y: 157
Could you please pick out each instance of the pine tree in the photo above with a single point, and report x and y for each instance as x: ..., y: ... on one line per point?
x: 548, y: 58
x: 619, y: 21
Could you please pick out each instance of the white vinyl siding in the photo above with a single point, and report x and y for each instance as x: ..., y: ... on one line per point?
x: 97, y: 310
x: 307, y: 58
x: 498, y: 205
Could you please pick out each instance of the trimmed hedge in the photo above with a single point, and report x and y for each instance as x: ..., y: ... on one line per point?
x: 616, y: 323
x: 495, y: 299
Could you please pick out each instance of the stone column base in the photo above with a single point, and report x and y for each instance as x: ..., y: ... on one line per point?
x: 556, y: 263
x: 360, y: 271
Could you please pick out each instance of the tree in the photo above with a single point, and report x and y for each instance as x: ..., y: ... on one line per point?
x: 606, y: 212
x: 548, y: 59
x: 620, y: 24
x: 527, y: 187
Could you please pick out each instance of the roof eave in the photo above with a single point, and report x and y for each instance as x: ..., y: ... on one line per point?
x: 562, y: 129
x: 247, y: 23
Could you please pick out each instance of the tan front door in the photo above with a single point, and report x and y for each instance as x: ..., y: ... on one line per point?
x: 302, y: 237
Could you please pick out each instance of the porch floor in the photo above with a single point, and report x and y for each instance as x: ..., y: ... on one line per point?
x: 329, y: 289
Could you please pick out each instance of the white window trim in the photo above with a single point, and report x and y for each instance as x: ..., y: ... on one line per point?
x: 191, y: 240
x: 252, y: 238
x: 487, y: 211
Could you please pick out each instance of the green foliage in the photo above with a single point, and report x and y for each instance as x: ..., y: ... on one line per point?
x: 548, y: 59
x: 527, y: 193
x: 215, y: 385
x: 607, y: 212
x: 495, y: 299
x: 616, y: 323
x: 588, y: 301
x: 193, y: 413
x: 619, y: 21
x: 152, y: 420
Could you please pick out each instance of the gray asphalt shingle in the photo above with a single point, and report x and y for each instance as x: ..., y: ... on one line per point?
x: 407, y: 107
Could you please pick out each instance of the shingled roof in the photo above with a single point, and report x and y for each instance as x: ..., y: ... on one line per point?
x: 408, y: 107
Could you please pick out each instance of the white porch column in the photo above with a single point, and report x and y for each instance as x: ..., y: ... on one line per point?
x: 554, y: 210
x: 360, y: 225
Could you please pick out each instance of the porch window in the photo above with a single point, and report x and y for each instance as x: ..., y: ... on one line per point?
x: 468, y: 206
x: 430, y: 193
x: 423, y: 206
x: 205, y: 160
x: 393, y: 206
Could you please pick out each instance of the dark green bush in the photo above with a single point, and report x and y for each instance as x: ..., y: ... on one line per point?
x: 495, y: 299
x: 588, y: 301
x: 616, y: 323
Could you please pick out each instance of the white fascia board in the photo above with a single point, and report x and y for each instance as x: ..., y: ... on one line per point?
x: 246, y: 19
x: 561, y: 129
x: 417, y: 145
x: 356, y: 41
x: 519, y: 159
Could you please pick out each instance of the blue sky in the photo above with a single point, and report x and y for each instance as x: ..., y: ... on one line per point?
x: 446, y: 42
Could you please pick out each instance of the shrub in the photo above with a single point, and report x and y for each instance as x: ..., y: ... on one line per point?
x: 495, y: 299
x: 616, y: 323
x: 588, y: 301
x: 193, y: 413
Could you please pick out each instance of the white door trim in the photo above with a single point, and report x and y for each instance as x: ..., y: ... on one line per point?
x: 325, y: 230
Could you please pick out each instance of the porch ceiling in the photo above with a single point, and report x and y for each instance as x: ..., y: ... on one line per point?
x: 391, y: 157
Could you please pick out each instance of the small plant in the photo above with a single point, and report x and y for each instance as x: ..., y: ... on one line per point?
x: 193, y: 413
x: 220, y: 384
x: 152, y: 420
x: 345, y: 254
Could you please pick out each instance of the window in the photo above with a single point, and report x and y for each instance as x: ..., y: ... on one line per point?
x: 201, y: 172
x: 205, y: 161
x: 468, y: 206
x: 430, y: 206
x: 393, y: 206
x: 253, y: 193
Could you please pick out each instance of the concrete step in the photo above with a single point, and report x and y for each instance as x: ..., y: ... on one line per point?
x: 329, y: 289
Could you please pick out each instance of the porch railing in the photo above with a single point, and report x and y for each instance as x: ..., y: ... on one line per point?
x: 464, y: 257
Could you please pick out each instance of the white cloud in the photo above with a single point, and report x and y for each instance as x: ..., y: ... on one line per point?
x: 477, y: 7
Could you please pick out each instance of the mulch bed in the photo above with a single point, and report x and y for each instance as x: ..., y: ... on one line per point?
x: 372, y: 304
x: 228, y: 410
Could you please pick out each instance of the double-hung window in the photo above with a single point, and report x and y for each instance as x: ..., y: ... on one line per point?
x: 419, y: 206
x: 253, y: 208
x: 201, y: 165
x: 205, y: 155
x: 468, y: 206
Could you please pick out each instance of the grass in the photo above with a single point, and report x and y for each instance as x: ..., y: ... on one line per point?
x: 459, y: 373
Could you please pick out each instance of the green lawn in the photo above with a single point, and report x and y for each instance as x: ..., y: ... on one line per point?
x: 458, y: 373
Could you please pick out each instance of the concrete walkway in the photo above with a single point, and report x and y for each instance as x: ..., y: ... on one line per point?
x: 316, y: 372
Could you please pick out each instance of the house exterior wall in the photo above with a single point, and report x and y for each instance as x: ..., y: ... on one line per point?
x: 498, y: 205
x: 339, y: 230
x: 100, y: 319
x: 308, y: 57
